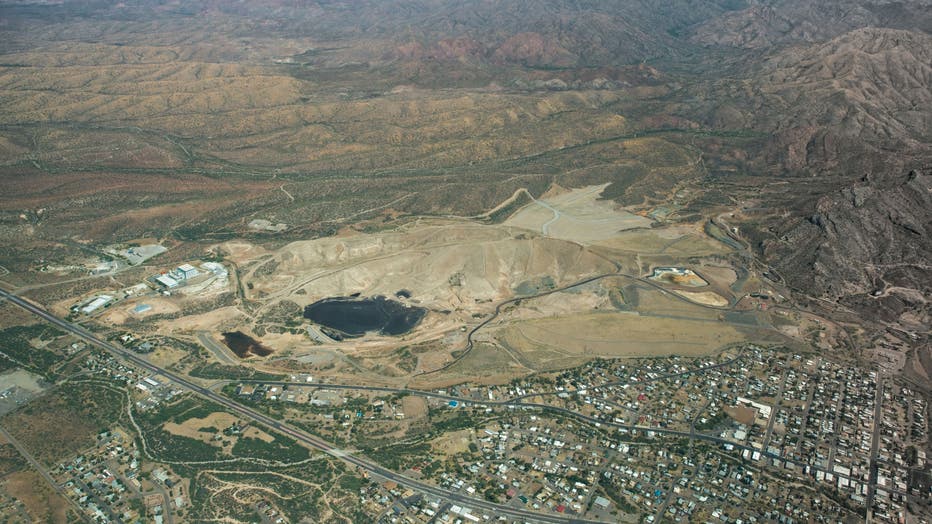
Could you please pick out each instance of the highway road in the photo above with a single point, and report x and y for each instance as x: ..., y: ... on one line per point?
x: 519, y: 402
x: 515, y: 401
x: 476, y: 505
x: 223, y: 354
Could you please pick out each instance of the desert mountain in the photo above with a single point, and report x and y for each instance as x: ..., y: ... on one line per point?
x: 866, y: 244
x: 853, y: 99
x: 768, y: 23
x: 320, y: 112
x: 864, y: 91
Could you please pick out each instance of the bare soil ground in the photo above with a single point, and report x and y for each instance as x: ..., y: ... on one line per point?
x: 453, y: 442
x: 43, y: 504
x: 415, y: 408
x: 212, y: 320
x: 160, y: 306
x: 613, y: 335
x: 690, y: 279
x: 577, y: 216
x: 704, y: 297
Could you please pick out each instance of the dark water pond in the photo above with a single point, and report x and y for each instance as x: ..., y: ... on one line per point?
x: 357, y: 316
x: 244, y: 345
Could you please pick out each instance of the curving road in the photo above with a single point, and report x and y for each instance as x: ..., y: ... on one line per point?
x: 498, y: 309
x: 219, y: 351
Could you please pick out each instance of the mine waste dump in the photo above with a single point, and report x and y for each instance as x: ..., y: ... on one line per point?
x: 353, y: 317
x: 244, y: 346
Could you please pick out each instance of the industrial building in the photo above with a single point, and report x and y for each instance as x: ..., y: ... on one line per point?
x: 167, y: 281
x: 184, y: 272
x: 96, y: 304
x: 215, y: 268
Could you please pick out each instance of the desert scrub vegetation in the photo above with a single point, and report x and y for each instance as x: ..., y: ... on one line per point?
x: 20, y: 347
x: 281, y: 449
x: 66, y: 419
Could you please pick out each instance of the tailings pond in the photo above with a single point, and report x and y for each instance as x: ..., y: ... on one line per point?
x: 244, y: 346
x: 356, y: 316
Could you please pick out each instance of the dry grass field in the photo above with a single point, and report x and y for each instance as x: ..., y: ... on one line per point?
x: 42, y: 504
x: 196, y: 428
x: 614, y: 335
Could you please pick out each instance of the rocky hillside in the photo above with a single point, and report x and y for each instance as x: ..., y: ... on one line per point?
x: 815, y: 110
x: 859, y: 99
x: 866, y: 244
x: 768, y: 23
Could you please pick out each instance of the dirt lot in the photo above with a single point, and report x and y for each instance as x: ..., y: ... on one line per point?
x: 124, y: 312
x: 612, y: 335
x: 415, y: 408
x: 704, y: 297
x: 43, y: 504
x: 212, y: 321
x: 577, y: 215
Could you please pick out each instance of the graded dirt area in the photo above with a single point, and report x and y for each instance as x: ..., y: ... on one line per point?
x: 211, y: 321
x: 125, y: 312
x: 613, y: 335
x: 460, y: 270
x: 578, y: 215
x: 17, y: 387
x: 704, y: 297
x: 43, y: 504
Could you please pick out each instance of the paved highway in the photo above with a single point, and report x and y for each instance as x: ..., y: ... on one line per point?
x: 477, y: 505
x: 518, y: 402
x: 515, y: 401
x: 222, y: 353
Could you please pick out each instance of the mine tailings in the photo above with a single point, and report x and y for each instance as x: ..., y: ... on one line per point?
x: 355, y: 317
x: 243, y: 345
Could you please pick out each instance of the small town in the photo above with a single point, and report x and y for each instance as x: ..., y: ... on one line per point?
x: 711, y: 439
x: 672, y: 438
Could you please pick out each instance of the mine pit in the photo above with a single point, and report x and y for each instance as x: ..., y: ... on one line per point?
x: 355, y: 316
